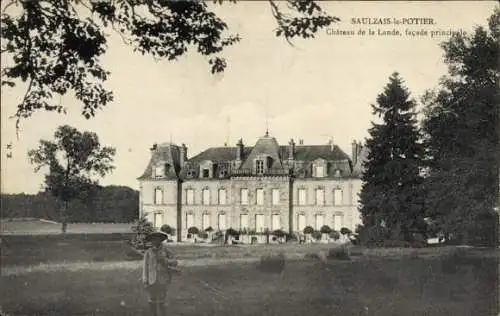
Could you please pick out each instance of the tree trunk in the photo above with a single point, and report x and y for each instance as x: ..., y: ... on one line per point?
x: 64, y: 217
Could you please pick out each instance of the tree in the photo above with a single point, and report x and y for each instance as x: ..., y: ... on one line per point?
x: 391, y: 192
x: 56, y: 45
x: 74, y: 159
x: 462, y: 133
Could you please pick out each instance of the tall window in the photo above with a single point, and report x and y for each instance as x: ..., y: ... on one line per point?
x: 259, y: 223
x: 244, y: 221
x: 222, y: 221
x: 159, y: 171
x: 320, y: 171
x: 244, y: 196
x: 302, y: 196
x: 158, y: 220
x: 205, y: 221
x: 275, y: 221
x: 206, y: 197
x: 158, y: 196
x: 259, y: 166
x: 319, y: 221
x: 338, y: 222
x: 222, y: 196
x: 260, y: 196
x: 337, y: 197
x: 276, y: 196
x: 189, y: 196
x: 301, y: 222
x: 189, y: 220
x: 205, y: 173
x: 320, y: 197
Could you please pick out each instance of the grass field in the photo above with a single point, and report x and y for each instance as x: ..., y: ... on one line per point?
x: 367, y: 286
x: 36, y: 227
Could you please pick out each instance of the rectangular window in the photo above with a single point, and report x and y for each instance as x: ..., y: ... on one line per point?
x: 302, y: 196
x: 205, y: 173
x: 222, y: 196
x: 190, y: 196
x: 276, y: 196
x: 189, y: 220
x: 205, y: 221
x: 159, y: 171
x: 338, y: 222
x: 206, y: 197
x: 320, y: 197
x: 222, y: 222
x: 259, y: 166
x: 260, y: 196
x: 244, y: 221
x: 301, y: 222
x: 319, y: 221
x: 158, y: 220
x: 275, y: 221
x: 259, y: 223
x: 337, y: 197
x: 320, y: 171
x: 158, y: 196
x: 244, y: 196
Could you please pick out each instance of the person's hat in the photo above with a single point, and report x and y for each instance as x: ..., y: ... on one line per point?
x: 157, y: 236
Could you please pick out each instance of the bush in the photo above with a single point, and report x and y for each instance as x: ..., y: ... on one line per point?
x: 209, y: 229
x: 167, y: 229
x: 279, y: 233
x: 317, y: 235
x: 334, y: 235
x: 291, y: 237
x: 341, y: 253
x: 325, y: 229
x: 203, y: 235
x: 141, y: 229
x: 345, y: 231
x: 193, y: 230
x: 308, y: 230
x: 419, y: 241
x: 232, y: 232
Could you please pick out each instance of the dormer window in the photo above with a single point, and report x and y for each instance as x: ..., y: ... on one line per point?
x: 320, y: 171
x: 259, y: 166
x: 338, y: 173
x: 205, y: 173
x: 160, y: 170
x: 206, y: 169
x: 319, y: 168
x: 190, y: 174
x: 222, y: 173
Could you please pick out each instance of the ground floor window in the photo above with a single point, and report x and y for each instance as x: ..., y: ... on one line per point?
x: 222, y: 221
x: 189, y: 220
x: 275, y: 222
x: 338, y: 222
x: 320, y: 220
x: 259, y: 223
x: 244, y: 221
x: 205, y: 221
x: 301, y: 222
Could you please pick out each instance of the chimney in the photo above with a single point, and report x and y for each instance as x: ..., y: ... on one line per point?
x: 330, y: 142
x: 183, y: 155
x: 239, y: 149
x: 291, y: 150
x: 354, y: 152
x: 155, y: 146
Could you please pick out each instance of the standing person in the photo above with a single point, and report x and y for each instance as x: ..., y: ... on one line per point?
x: 158, y: 265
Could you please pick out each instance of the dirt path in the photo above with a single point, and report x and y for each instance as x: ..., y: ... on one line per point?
x: 113, y: 265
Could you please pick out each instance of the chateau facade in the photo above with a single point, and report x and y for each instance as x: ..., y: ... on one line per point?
x: 267, y: 186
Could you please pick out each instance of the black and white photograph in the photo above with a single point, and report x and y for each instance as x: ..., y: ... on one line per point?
x: 231, y: 157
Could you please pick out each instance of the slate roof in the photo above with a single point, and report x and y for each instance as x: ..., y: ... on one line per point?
x: 224, y: 158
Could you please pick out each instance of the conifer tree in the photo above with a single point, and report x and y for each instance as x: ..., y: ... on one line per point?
x: 391, y: 192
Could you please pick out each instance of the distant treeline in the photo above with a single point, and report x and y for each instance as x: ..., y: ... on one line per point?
x: 116, y: 204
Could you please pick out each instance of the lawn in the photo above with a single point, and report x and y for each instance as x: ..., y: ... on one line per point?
x: 37, y: 227
x: 368, y: 286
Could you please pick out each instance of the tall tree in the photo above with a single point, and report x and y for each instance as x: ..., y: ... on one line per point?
x: 462, y: 129
x: 73, y: 160
x: 390, y: 195
x: 56, y: 45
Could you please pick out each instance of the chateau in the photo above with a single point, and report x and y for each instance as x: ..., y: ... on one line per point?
x: 265, y: 186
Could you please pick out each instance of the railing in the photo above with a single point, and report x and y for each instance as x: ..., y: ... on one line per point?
x: 253, y: 173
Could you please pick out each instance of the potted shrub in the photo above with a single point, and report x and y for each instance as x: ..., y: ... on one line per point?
x: 325, y: 229
x: 209, y: 229
x: 308, y: 230
x: 279, y: 234
x: 335, y: 235
x: 317, y: 235
x: 193, y: 230
x: 346, y: 231
x: 167, y: 229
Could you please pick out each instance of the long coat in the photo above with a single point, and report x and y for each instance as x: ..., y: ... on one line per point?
x: 154, y: 269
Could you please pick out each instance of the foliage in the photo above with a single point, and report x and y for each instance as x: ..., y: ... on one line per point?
x: 203, y: 235
x: 462, y: 133
x: 193, y: 230
x: 279, y: 233
x: 325, y: 229
x: 209, y: 229
x: 167, y: 229
x: 109, y: 204
x: 317, y: 235
x: 73, y: 160
x: 391, y: 193
x: 308, y: 230
x: 345, y: 231
x: 56, y: 46
x: 232, y: 232
x: 141, y: 228
x: 335, y: 235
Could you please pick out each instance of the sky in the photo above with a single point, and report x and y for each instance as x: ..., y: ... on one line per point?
x: 318, y: 89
